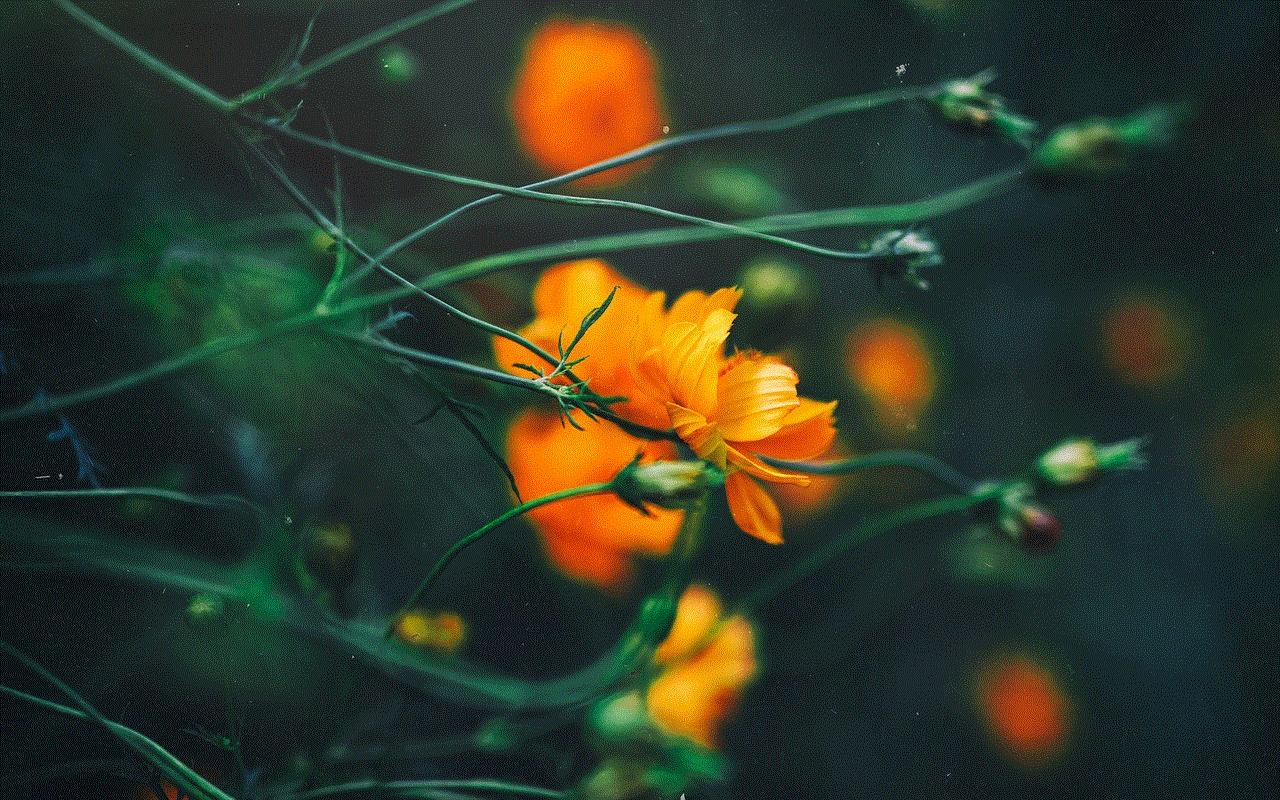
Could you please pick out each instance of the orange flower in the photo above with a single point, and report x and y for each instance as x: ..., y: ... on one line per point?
x: 728, y: 410
x: 586, y: 91
x: 700, y: 683
x: 591, y: 538
x: 563, y: 296
x: 890, y: 364
x: 675, y: 375
x: 1025, y: 708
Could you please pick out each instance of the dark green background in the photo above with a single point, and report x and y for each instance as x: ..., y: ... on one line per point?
x: 1160, y: 607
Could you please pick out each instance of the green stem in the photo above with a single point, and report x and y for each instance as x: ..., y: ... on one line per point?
x: 146, y: 59
x: 861, y: 534
x: 182, y: 776
x: 805, y: 116
x: 961, y: 197
x: 563, y: 199
x: 944, y: 473
x: 430, y: 787
x: 228, y: 501
x: 461, y: 544
x: 333, y: 57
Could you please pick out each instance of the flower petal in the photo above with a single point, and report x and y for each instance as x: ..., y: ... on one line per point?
x: 755, y: 396
x: 701, y: 436
x: 753, y: 509
x: 757, y: 468
x: 691, y: 360
x: 806, y: 432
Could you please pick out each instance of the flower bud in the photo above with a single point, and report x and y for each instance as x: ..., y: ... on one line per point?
x: 1027, y: 522
x: 1075, y: 461
x: 1099, y: 147
x: 666, y: 484
x: 903, y: 254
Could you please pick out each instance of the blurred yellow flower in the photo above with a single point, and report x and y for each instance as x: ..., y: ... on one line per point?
x: 703, y: 672
x: 442, y: 631
x: 591, y: 538
x: 586, y: 90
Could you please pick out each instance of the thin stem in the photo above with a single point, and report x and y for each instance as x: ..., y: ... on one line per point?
x: 333, y: 57
x: 914, y: 211
x: 181, y: 775
x: 861, y: 534
x: 564, y: 199
x: 461, y: 544
x: 797, y: 119
x: 371, y: 785
x: 927, y: 464
x: 227, y: 501
x: 147, y: 60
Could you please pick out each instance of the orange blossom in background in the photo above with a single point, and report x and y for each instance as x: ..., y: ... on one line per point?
x: 591, y: 538
x: 700, y: 681
x: 586, y: 90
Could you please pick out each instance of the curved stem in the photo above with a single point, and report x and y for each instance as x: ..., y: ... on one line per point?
x: 182, y: 776
x: 927, y: 464
x: 797, y: 119
x: 147, y: 60
x: 564, y: 199
x: 961, y: 197
x: 461, y: 544
x: 861, y: 534
x: 228, y: 501
x: 334, y: 56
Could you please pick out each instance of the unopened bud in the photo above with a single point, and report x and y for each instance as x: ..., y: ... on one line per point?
x: 1099, y: 147
x: 903, y: 254
x: 1027, y: 522
x: 1076, y: 461
x: 666, y: 484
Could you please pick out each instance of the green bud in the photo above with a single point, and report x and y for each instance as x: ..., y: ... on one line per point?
x: 666, y: 484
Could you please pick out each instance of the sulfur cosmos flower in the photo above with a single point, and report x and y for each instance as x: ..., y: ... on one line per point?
x: 563, y: 296
x: 586, y: 90
x: 671, y: 366
x: 728, y: 410
x: 593, y: 538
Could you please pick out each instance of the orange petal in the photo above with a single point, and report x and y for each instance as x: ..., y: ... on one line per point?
x: 753, y: 509
x: 806, y: 432
x: 701, y: 436
x: 691, y: 359
x: 695, y: 306
x: 759, y: 469
x: 588, y: 561
x: 755, y: 396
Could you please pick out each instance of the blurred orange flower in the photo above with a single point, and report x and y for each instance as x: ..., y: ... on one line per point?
x: 563, y: 296
x: 890, y: 364
x: 591, y: 538
x: 728, y: 410
x: 1026, y: 710
x: 701, y: 681
x: 586, y: 90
